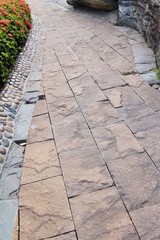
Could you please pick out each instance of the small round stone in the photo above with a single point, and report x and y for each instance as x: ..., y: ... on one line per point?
x: 8, y: 135
x: 9, y: 123
x: 2, y: 150
x: 14, y: 105
x: 8, y: 129
x: 11, y: 115
x: 12, y: 110
x: 5, y: 142
x: 1, y: 109
x: 1, y: 135
x: 1, y: 158
x: 3, y: 114
x: 1, y: 128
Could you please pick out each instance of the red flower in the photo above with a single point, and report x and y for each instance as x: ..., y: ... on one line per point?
x: 10, y: 35
x: 4, y: 22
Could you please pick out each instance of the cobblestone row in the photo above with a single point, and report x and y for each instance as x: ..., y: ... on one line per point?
x: 11, y: 95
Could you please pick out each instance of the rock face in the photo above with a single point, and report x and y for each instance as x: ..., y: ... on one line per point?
x: 96, y: 4
x: 143, y: 15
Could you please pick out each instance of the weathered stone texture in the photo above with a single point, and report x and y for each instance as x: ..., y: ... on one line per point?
x: 104, y: 207
x: 144, y: 15
x: 97, y: 4
x: 46, y: 203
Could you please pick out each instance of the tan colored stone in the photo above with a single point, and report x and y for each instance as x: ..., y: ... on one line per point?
x: 41, y: 162
x: 72, y: 136
x: 44, y: 210
x: 101, y: 215
x: 108, y: 80
x: 40, y: 108
x: 16, y: 229
x: 115, y: 97
x: 69, y: 60
x: 51, y: 79
x: 139, y: 117
x: 57, y: 91
x: 150, y: 95
x: 67, y: 236
x: 149, y: 139
x: 51, y: 67
x: 41, y: 91
x: 74, y: 71
x: 100, y: 113
x: 116, y: 141
x: 122, y: 96
x: 40, y: 129
x: 86, y: 90
x: 147, y: 222
x: 137, y: 180
x: 65, y: 112
x: 84, y: 171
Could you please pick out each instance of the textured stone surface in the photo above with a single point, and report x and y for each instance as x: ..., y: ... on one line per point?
x: 149, y: 140
x: 84, y: 171
x: 72, y: 136
x: 8, y: 209
x: 101, y: 4
x: 143, y: 15
x: 40, y: 108
x: 49, y: 209
x: 137, y: 180
x: 116, y: 141
x: 40, y: 129
x: 67, y: 236
x: 99, y: 113
x: 86, y: 90
x: 10, y: 177
x: 147, y: 222
x: 23, y: 122
x: 40, y: 162
x: 106, y: 207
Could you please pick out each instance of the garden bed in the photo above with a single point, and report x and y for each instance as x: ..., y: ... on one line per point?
x: 15, y: 23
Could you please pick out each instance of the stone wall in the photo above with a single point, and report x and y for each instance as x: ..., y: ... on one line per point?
x: 143, y: 15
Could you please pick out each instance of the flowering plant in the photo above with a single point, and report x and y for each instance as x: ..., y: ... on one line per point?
x: 15, y: 23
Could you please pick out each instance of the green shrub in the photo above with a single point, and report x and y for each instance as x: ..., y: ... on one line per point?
x: 14, y: 28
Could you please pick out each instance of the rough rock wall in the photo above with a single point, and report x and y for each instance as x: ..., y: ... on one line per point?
x: 145, y: 16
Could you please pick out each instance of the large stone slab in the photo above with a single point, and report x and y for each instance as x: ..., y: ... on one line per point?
x: 108, y: 80
x: 146, y: 221
x: 122, y: 96
x: 23, y: 121
x: 116, y: 141
x: 100, y: 113
x: 46, y: 203
x: 40, y: 162
x: 11, y: 174
x: 84, y: 171
x: 139, y: 117
x: 8, y: 210
x: 137, y: 180
x: 40, y: 129
x: 40, y: 108
x: 149, y: 140
x: 74, y: 71
x: 86, y: 90
x: 100, y: 5
x: 72, y: 136
x: 101, y: 215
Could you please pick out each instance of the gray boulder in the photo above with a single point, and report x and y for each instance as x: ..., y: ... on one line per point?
x: 96, y: 4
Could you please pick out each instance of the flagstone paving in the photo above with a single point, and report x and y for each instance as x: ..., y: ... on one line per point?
x: 91, y: 167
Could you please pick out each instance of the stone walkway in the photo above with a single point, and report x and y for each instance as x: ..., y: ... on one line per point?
x: 92, y: 160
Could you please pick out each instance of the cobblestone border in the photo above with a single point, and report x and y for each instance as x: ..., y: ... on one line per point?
x: 12, y: 94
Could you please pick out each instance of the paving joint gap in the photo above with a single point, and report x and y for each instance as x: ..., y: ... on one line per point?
x: 61, y: 169
x: 58, y: 235
x: 40, y: 180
